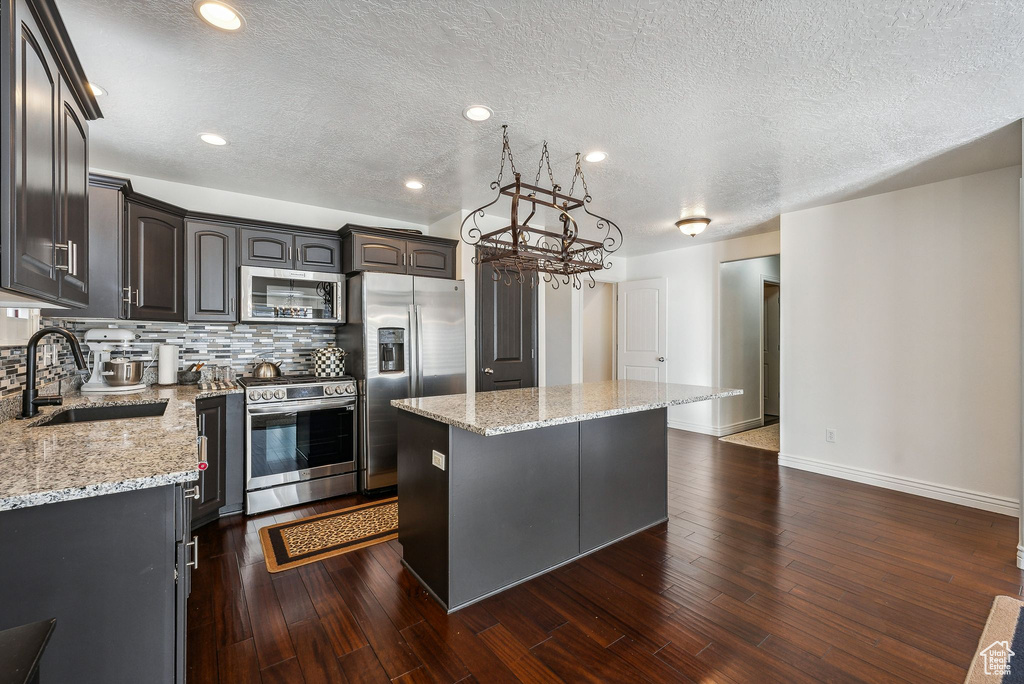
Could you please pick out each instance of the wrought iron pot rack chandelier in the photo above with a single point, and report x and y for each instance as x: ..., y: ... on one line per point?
x: 520, y: 251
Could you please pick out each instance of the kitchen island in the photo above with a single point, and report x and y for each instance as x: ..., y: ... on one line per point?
x: 497, y: 487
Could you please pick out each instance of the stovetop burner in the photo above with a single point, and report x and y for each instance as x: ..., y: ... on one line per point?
x: 249, y: 381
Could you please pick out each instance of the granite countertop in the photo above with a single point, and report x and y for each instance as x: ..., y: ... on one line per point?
x: 501, y: 412
x: 47, y: 464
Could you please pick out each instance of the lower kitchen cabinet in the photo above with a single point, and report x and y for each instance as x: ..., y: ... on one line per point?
x: 115, y: 571
x: 220, y: 486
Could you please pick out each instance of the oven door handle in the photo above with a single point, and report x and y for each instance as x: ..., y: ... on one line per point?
x: 287, y: 408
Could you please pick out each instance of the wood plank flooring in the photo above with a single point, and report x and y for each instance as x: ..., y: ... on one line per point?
x: 761, y: 574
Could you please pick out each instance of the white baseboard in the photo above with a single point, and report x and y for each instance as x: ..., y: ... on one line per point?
x: 721, y: 431
x: 1020, y: 556
x: 964, y: 497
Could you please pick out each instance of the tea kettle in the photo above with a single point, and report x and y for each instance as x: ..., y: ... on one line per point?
x: 265, y: 369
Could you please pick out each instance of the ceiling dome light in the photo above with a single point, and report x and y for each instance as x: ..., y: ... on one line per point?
x: 213, y: 139
x: 595, y: 156
x: 693, y: 226
x: 414, y: 185
x: 477, y: 113
x: 218, y: 14
x: 96, y: 90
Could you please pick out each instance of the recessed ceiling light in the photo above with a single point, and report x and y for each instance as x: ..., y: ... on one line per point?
x: 218, y: 14
x: 595, y: 156
x: 96, y: 90
x: 414, y: 185
x: 477, y: 113
x: 693, y: 226
x: 213, y: 139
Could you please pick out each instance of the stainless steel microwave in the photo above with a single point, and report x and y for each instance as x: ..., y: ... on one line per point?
x: 282, y: 295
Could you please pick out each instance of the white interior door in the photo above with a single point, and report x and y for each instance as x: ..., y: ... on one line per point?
x: 643, y: 337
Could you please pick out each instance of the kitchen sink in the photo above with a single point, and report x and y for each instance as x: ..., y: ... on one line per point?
x: 85, y: 414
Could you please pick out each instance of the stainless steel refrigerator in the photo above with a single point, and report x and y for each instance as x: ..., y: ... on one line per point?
x: 405, y: 337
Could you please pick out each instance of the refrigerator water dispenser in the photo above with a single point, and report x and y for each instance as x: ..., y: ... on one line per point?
x: 391, y: 342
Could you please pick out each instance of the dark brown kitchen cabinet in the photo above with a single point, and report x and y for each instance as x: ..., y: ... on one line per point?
x: 388, y: 250
x: 44, y: 151
x: 268, y: 248
x: 280, y: 249
x: 154, y: 245
x: 211, y: 272
x: 211, y: 417
x: 431, y: 259
x: 315, y: 253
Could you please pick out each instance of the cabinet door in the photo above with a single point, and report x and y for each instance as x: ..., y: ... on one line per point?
x: 266, y: 248
x: 211, y: 416
x: 155, y: 244
x: 318, y: 253
x: 377, y: 253
x: 431, y: 259
x: 73, y: 167
x: 34, y: 232
x: 211, y: 272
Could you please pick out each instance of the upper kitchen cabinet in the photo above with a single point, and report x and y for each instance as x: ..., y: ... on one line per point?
x: 211, y: 272
x: 45, y: 154
x: 154, y: 248
x: 279, y: 248
x: 387, y: 250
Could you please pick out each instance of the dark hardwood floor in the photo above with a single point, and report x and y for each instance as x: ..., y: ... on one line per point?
x: 762, y: 574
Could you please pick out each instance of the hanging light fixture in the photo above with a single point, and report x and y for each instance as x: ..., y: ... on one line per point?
x: 520, y: 251
x: 693, y: 226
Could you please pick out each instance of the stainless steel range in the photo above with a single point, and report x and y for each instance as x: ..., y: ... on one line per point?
x: 301, y: 440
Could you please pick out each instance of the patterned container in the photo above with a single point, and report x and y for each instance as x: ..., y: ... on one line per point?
x: 329, y: 361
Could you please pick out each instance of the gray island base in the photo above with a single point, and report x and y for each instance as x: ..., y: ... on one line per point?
x: 498, y: 487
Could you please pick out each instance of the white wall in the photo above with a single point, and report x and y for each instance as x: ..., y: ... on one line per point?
x: 693, y: 313
x: 740, y: 344
x: 598, y: 333
x: 559, y: 319
x: 901, y: 329
x: 209, y: 200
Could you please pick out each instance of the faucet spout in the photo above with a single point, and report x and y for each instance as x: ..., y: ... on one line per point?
x: 30, y: 401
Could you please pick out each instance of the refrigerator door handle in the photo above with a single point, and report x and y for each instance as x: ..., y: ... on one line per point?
x: 419, y: 351
x: 414, y: 345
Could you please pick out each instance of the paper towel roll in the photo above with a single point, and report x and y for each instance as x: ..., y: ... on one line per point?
x: 167, y: 370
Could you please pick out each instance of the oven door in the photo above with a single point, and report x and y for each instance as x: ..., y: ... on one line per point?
x: 295, y: 441
x: 276, y: 295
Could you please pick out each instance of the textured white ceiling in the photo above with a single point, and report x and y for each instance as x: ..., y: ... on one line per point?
x: 740, y: 109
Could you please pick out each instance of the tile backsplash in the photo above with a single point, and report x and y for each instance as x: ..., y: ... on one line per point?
x: 220, y: 344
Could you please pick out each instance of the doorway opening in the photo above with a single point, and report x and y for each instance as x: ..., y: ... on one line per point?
x: 770, y: 348
x: 598, y: 334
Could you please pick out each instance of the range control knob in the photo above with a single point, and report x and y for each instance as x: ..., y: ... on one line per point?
x: 254, y: 395
x: 350, y: 389
x: 267, y: 394
x: 328, y: 390
x: 279, y: 394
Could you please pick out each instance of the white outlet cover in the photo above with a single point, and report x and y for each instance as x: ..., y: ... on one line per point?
x: 830, y: 435
x: 437, y: 459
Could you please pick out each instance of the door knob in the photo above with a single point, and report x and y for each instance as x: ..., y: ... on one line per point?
x: 661, y: 359
x: 488, y: 371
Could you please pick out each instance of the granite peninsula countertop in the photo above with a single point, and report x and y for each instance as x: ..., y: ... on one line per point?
x: 47, y: 464
x: 514, y: 410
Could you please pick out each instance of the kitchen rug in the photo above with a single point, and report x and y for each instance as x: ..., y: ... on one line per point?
x: 766, y: 438
x: 1000, y: 654
x: 290, y: 544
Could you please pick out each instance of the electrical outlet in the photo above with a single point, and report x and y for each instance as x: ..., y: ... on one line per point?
x: 830, y: 435
x: 437, y: 459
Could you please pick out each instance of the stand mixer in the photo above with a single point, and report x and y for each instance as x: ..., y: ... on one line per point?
x: 101, y: 342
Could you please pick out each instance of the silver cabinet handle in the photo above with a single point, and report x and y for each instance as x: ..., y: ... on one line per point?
x: 661, y: 359
x: 195, y: 492
x: 74, y: 257
x: 194, y: 563
x: 67, y: 265
x: 128, y: 296
x: 289, y: 253
x: 232, y: 305
x: 488, y: 371
x: 403, y: 259
x: 202, y: 448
